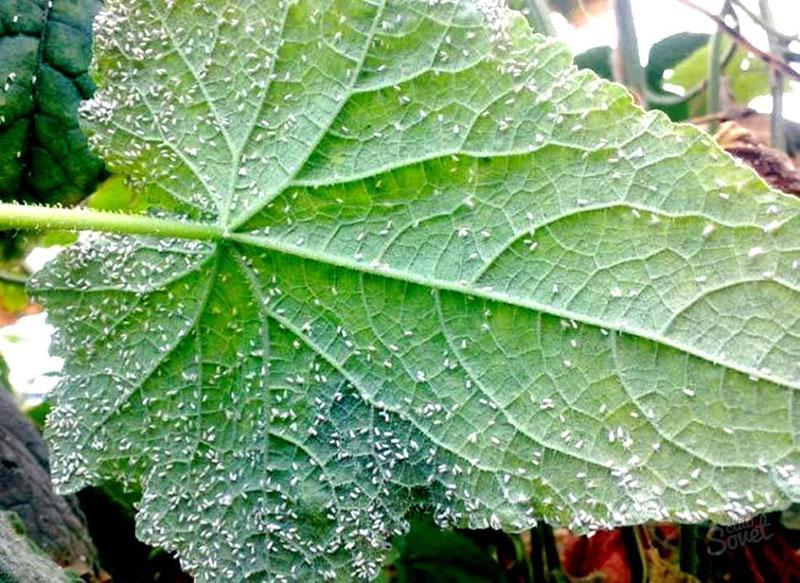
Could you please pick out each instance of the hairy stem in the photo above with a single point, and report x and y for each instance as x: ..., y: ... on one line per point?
x: 40, y: 218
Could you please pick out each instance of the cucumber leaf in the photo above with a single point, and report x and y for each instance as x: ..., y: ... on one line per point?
x: 456, y: 273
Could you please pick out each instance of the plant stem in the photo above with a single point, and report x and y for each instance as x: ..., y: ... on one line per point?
x: 539, y: 17
x: 656, y: 99
x: 759, y: 20
x: 552, y: 560
x: 630, y: 69
x: 776, y: 125
x: 714, y: 75
x: 13, y: 278
x: 691, y: 562
x: 18, y: 216
x: 633, y: 550
x: 537, y: 556
x: 771, y: 60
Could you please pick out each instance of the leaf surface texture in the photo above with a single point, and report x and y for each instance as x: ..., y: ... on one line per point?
x: 457, y: 273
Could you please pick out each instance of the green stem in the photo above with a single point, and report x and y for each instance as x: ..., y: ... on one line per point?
x: 539, y: 17
x: 776, y: 124
x: 18, y: 216
x: 714, y: 75
x: 691, y: 561
x: 630, y: 69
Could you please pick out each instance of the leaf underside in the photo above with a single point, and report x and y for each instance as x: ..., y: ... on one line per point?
x: 457, y: 274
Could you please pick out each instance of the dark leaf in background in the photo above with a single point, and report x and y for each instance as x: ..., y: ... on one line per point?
x: 668, y: 52
x: 665, y: 54
x: 427, y: 553
x: 45, y: 53
x: 597, y: 59
x: 745, y: 77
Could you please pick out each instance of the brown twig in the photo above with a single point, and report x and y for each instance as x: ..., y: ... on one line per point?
x: 768, y: 28
x: 772, y: 61
x: 730, y: 114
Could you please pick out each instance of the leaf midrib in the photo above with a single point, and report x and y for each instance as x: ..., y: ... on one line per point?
x: 503, y: 298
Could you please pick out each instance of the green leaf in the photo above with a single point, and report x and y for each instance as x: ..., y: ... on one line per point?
x: 45, y: 50
x: 669, y: 52
x: 428, y: 553
x: 747, y: 77
x: 38, y: 414
x: 112, y: 195
x: 597, y: 59
x: 664, y: 55
x: 456, y: 273
x: 13, y: 299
